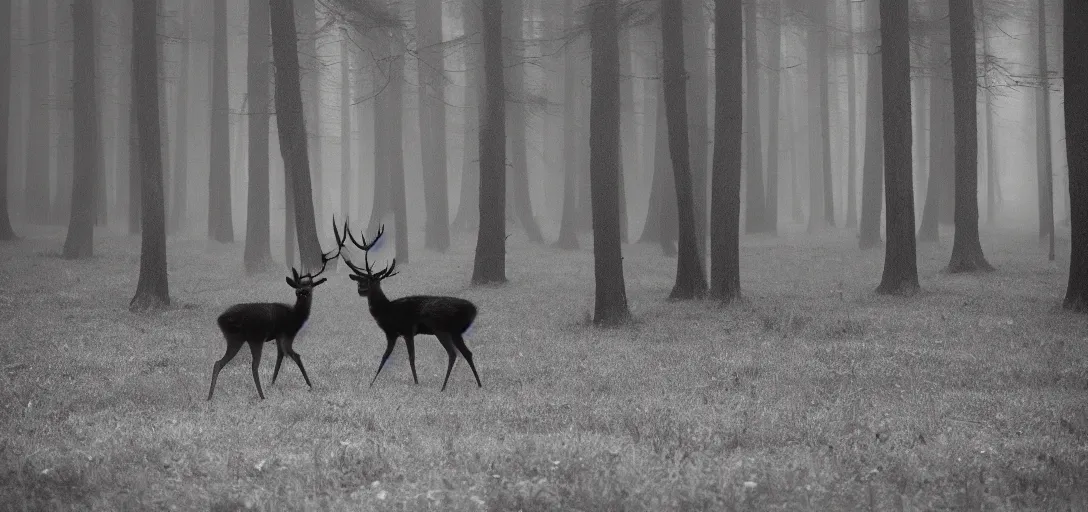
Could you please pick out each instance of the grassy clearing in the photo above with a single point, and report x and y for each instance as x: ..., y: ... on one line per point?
x: 811, y: 394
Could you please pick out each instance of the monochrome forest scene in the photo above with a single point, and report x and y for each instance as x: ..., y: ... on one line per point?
x: 544, y: 255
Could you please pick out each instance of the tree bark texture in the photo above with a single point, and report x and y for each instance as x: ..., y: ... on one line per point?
x: 1075, y: 35
x: 489, y: 264
x: 900, y: 275
x: 872, y: 179
x: 468, y: 207
x: 1045, y: 164
x: 38, y: 152
x: 152, y: 288
x: 220, y: 223
x: 6, y: 232
x: 80, y: 240
x: 755, y: 217
x: 61, y: 109
x: 568, y: 227
x: 432, y: 124
x: 257, y: 256
x: 180, y: 190
x: 774, y: 92
x: 725, y: 184
x: 520, y: 202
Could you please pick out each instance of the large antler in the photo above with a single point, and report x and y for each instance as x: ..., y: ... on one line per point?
x: 326, y: 257
x: 366, y: 247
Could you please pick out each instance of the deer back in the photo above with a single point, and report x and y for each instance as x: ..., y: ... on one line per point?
x: 426, y: 314
x: 261, y: 320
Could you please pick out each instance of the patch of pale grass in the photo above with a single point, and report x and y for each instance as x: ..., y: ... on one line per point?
x: 811, y: 393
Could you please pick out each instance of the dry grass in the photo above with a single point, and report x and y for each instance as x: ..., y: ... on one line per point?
x: 813, y: 393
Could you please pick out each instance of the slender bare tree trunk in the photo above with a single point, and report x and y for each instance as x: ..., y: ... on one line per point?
x: 728, y: 122
x: 755, y: 217
x: 468, y: 207
x: 1042, y: 124
x: 180, y: 190
x: 220, y: 223
x: 872, y: 179
x: 258, y: 251
x: 1075, y: 35
x: 568, y: 229
x: 852, y: 113
x: 396, y: 148
x: 80, y: 240
x: 489, y: 264
x: 774, y: 92
x: 61, y: 108
x: 345, y: 124
x: 152, y: 288
x: 38, y: 153
x: 6, y: 233
x: 432, y: 123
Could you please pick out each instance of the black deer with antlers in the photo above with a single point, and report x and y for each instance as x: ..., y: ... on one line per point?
x: 259, y: 322
x: 446, y: 318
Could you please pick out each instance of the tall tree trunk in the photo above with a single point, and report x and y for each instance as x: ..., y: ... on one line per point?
x: 755, y: 216
x: 6, y: 233
x: 991, y: 149
x: 80, y: 240
x: 135, y: 174
x: 345, y: 125
x: 489, y: 264
x: 396, y: 149
x: 521, y: 203
x: 292, y: 129
x: 728, y: 122
x: 61, y: 107
x: 690, y: 278
x: 468, y: 207
x: 698, y: 84
x: 152, y: 288
x: 164, y: 110
x: 180, y: 190
x: 966, y: 249
x: 629, y: 150
x: 610, y: 297
x: 220, y: 224
x: 257, y: 256
x: 940, y: 133
x: 1042, y: 127
x: 774, y: 92
x: 306, y: 10
x: 1075, y: 35
x: 38, y: 132
x: 432, y: 123
x: 825, y: 114
x: 568, y: 228
x: 872, y: 201
x: 380, y: 206
x: 852, y: 124
x: 817, y: 219
x: 900, y: 275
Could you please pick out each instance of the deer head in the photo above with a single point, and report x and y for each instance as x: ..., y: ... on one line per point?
x: 304, y: 284
x: 365, y: 276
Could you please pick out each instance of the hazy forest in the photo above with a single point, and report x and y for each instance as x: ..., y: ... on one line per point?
x: 662, y: 254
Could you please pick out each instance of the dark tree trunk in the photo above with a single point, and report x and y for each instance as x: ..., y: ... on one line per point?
x: 257, y: 256
x: 698, y: 84
x: 629, y: 150
x: 1042, y: 124
x: 432, y: 123
x: 900, y: 254
x: 816, y: 62
x: 568, y: 228
x: 521, y: 203
x: 725, y: 183
x: 220, y: 224
x: 690, y: 277
x: 292, y: 129
x: 1076, y: 144
x: 820, y: 11
x: 755, y: 217
x: 61, y: 106
x: 37, y: 194
x: 306, y: 10
x: 852, y: 113
x: 774, y: 92
x: 610, y: 304
x: 966, y: 249
x: 991, y: 161
x: 489, y: 264
x: 6, y: 233
x: 164, y: 110
x: 468, y: 208
x: 872, y: 179
x: 180, y: 190
x: 152, y: 289
x: 396, y: 149
x: 135, y: 173
x: 80, y: 240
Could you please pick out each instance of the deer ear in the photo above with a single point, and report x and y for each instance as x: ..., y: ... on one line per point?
x: 354, y: 277
x: 291, y: 283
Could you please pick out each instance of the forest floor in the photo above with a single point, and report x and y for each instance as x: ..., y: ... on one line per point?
x: 812, y: 393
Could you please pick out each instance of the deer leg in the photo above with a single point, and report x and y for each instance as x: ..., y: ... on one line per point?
x: 390, y: 340
x: 232, y: 349
x: 459, y: 342
x: 255, y: 348
x: 447, y: 344
x: 410, y: 344
x: 279, y: 359
x: 298, y: 361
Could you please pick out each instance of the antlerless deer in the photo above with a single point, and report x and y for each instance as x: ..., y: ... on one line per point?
x: 446, y: 318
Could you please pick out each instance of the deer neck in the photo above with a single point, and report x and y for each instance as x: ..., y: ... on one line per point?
x: 376, y: 297
x: 302, y: 309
